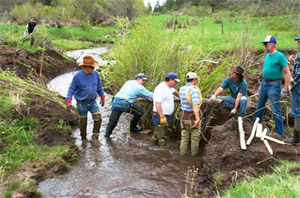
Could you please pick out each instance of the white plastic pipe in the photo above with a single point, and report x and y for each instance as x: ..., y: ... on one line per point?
x: 268, y: 146
x: 259, y: 130
x: 264, y: 136
x: 242, y: 134
x: 253, y: 131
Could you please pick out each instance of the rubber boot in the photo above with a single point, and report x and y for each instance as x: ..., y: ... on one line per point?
x: 97, y: 124
x: 162, y: 135
x: 82, y: 122
x: 296, y: 138
x: 154, y: 139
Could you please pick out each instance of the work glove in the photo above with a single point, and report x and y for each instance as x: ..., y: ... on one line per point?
x: 212, y: 99
x: 102, y: 101
x: 233, y: 112
x: 163, y: 120
x: 284, y: 93
x: 68, y: 102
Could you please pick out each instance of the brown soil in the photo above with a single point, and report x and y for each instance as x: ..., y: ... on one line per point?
x: 48, y: 113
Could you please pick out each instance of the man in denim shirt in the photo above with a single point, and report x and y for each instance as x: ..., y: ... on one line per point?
x: 295, y: 99
x: 270, y: 88
x: 86, y: 86
x: 124, y: 102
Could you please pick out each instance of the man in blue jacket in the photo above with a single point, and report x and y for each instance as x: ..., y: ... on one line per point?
x: 86, y: 86
x: 124, y: 102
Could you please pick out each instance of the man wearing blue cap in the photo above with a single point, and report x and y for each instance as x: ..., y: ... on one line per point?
x: 163, y: 107
x: 295, y: 99
x: 270, y: 88
x: 124, y: 102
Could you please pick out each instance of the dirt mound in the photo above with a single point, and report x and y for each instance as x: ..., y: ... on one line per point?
x: 223, y: 156
x: 25, y: 63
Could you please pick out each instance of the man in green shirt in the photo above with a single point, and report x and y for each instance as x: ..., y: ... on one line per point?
x: 270, y: 88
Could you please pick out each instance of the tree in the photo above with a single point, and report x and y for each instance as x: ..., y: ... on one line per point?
x: 213, y: 4
x: 157, y: 7
x: 149, y: 7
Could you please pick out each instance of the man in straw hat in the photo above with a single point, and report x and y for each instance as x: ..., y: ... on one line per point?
x: 190, y: 122
x: 238, y: 90
x: 270, y: 87
x: 86, y: 86
x: 295, y: 98
x: 124, y: 102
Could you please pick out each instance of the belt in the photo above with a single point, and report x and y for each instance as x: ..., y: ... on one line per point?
x: 272, y: 80
x: 87, y: 100
x: 155, y: 113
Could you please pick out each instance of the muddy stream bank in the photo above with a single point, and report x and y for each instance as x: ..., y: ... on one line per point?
x: 125, y: 165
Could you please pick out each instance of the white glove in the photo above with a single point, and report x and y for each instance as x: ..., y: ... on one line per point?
x: 212, y: 99
x: 233, y: 111
x: 284, y: 93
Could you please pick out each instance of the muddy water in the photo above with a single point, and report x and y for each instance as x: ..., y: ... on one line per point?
x: 125, y: 165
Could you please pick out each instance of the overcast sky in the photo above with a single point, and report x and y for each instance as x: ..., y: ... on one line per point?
x: 153, y: 2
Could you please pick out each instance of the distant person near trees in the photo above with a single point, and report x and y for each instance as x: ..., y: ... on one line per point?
x: 86, y: 86
x: 124, y: 102
x: 163, y: 107
x: 270, y: 87
x: 295, y: 98
x: 191, y: 101
x: 30, y: 30
x: 238, y: 89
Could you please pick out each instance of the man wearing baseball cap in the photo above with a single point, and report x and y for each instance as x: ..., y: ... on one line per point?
x: 124, y: 102
x: 190, y: 122
x: 238, y: 89
x: 163, y: 107
x: 295, y: 98
x: 270, y: 87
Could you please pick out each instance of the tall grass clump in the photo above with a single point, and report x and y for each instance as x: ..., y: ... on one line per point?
x: 284, y: 182
x: 151, y: 50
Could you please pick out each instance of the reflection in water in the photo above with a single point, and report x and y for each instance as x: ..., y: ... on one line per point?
x: 125, y: 165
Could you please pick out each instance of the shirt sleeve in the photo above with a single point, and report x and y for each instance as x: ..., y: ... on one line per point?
x: 195, y: 96
x: 99, y: 86
x: 243, y: 88
x: 296, y: 72
x: 225, y: 83
x: 72, y: 87
x: 283, y: 61
x: 143, y: 92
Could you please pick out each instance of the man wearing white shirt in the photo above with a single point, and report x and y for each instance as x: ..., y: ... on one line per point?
x: 163, y: 107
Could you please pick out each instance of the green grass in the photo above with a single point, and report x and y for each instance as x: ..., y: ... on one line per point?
x: 282, y: 183
x: 236, y: 31
x: 63, y: 38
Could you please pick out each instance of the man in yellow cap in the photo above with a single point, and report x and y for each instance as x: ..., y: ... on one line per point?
x: 86, y: 86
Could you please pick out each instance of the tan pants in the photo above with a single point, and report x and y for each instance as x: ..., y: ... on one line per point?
x: 187, y: 134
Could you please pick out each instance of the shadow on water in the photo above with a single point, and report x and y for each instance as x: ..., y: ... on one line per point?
x: 125, y: 165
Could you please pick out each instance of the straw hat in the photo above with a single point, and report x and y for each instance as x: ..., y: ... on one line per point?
x: 89, y: 61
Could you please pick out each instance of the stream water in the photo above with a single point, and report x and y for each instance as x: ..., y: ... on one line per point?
x: 125, y: 165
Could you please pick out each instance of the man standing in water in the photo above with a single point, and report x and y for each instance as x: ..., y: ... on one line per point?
x: 295, y: 99
x: 163, y: 107
x: 86, y: 86
x: 124, y: 102
x: 191, y: 101
x: 270, y: 88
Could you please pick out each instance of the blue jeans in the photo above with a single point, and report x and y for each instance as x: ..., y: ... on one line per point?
x: 156, y: 119
x: 295, y: 101
x: 229, y: 102
x: 84, y: 107
x: 271, y: 91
